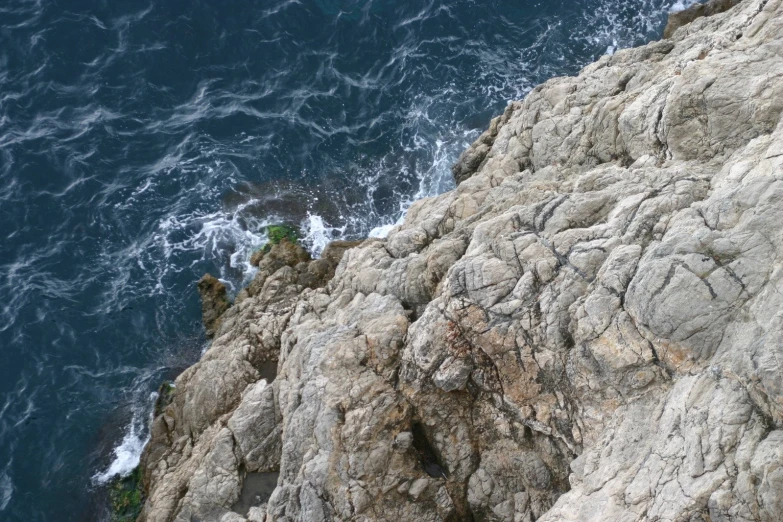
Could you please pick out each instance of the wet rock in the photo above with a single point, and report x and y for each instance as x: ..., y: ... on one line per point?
x: 334, y: 251
x: 257, y: 256
x: 699, y: 10
x: 214, y: 302
x: 305, y: 273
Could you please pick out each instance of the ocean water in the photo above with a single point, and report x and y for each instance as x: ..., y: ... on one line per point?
x: 144, y: 143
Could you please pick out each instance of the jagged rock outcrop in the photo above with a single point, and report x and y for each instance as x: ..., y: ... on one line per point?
x: 589, y: 328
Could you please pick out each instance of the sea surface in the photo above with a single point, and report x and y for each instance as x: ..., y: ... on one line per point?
x: 144, y: 143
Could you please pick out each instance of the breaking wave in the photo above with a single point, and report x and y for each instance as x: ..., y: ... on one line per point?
x: 127, y: 454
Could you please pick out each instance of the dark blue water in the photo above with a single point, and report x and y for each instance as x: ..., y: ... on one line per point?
x: 143, y: 143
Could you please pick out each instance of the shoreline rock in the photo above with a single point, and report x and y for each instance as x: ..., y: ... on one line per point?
x: 699, y: 10
x: 214, y: 302
x: 587, y: 328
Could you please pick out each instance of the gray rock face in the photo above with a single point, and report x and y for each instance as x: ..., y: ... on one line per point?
x: 589, y: 328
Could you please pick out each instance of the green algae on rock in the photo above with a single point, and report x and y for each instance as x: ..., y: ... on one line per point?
x: 126, y: 497
x: 279, y: 232
x: 275, y: 234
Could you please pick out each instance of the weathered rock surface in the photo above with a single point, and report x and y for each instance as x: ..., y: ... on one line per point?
x: 589, y: 328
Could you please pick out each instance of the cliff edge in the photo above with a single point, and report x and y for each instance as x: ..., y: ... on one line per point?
x: 589, y: 328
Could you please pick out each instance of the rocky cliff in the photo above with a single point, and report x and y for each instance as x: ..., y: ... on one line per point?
x: 589, y: 328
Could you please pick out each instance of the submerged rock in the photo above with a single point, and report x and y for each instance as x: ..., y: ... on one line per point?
x: 587, y: 329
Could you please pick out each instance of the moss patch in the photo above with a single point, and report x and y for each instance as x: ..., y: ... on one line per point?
x: 275, y: 234
x: 126, y: 497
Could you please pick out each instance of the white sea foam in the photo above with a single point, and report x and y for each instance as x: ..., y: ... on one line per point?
x: 126, y: 457
x: 317, y: 234
x: 127, y: 454
x: 218, y: 231
x: 682, y: 5
x: 381, y: 231
x: 234, y: 234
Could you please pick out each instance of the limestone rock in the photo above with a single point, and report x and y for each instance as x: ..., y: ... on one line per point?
x: 588, y: 328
